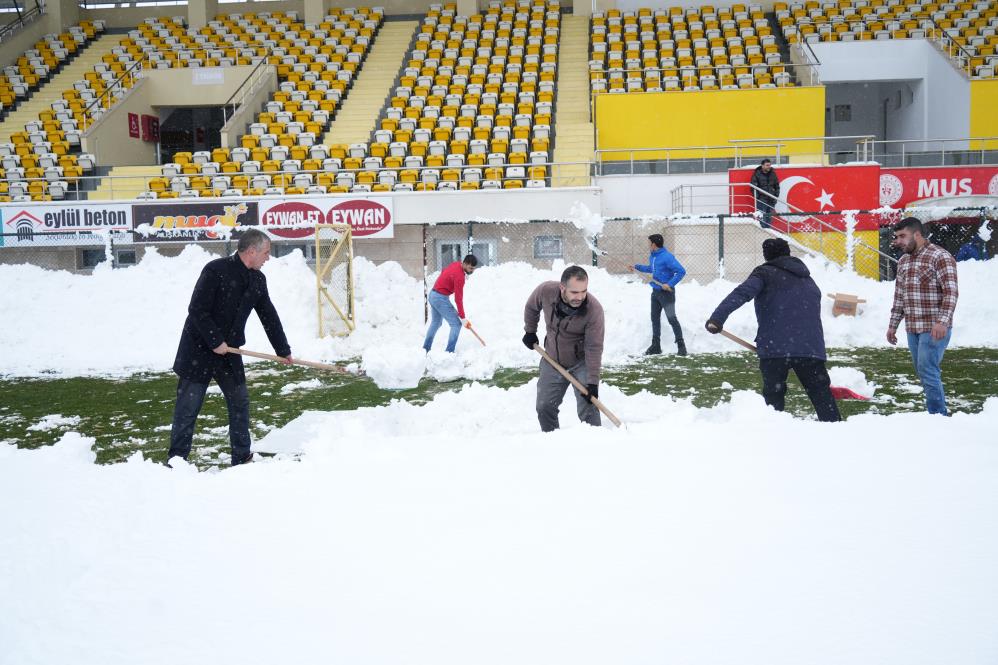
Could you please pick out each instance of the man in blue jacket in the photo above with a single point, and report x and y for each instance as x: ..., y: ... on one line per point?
x: 790, y: 336
x: 227, y: 291
x: 666, y: 272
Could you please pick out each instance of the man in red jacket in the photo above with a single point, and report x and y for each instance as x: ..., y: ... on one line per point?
x: 451, y: 280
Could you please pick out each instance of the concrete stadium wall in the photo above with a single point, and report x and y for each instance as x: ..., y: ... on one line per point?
x: 935, y: 103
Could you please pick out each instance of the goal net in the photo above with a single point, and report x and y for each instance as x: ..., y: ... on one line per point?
x: 334, y: 279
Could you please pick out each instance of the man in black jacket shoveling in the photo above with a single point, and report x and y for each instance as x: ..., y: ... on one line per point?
x: 788, y: 310
x: 226, y: 292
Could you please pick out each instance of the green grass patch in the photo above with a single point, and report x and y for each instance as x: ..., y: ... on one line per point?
x: 129, y: 414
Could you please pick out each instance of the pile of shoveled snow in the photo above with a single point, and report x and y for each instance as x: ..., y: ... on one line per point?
x: 120, y: 321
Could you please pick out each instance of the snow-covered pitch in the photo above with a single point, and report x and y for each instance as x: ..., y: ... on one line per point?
x: 455, y: 532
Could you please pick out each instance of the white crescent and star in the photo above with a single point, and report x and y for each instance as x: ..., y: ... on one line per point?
x: 787, y: 185
x: 824, y: 200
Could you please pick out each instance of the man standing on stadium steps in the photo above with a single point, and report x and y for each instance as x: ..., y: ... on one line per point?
x: 925, y: 295
x: 766, y: 188
x: 666, y: 272
x: 226, y: 292
x: 790, y: 336
x: 451, y: 280
x: 575, y: 326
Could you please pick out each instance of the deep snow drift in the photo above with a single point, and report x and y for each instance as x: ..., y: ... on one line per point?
x: 457, y: 533
x: 120, y: 321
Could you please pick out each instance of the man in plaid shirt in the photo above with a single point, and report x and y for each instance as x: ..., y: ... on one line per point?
x: 925, y: 295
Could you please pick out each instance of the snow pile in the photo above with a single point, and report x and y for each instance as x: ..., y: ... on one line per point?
x: 54, y: 421
x: 456, y: 532
x: 853, y: 379
x: 129, y: 320
x: 394, y: 367
x: 309, y: 384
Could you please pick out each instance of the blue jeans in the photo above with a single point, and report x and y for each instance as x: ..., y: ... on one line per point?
x: 441, y: 309
x: 926, y: 354
x: 766, y: 208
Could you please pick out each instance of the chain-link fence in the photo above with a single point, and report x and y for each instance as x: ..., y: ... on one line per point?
x: 82, y: 252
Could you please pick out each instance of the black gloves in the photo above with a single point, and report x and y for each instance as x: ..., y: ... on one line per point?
x: 593, y: 390
x: 712, y: 327
x: 529, y: 340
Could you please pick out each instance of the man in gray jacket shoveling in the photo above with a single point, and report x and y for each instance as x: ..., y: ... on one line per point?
x: 574, y: 322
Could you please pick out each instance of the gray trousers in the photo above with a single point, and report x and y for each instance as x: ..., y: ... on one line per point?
x: 551, y: 387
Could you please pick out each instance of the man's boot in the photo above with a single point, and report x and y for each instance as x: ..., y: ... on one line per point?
x: 655, y: 348
x: 680, y: 347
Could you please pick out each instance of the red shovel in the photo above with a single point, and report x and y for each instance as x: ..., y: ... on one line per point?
x: 838, y: 392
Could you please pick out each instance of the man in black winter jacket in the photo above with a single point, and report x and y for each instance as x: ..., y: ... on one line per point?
x: 766, y: 190
x: 225, y: 294
x: 790, y: 336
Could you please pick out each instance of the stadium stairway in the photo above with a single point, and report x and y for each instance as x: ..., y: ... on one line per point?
x: 783, y: 45
x: 356, y: 119
x: 116, y: 187
x: 573, y: 128
x: 52, y: 89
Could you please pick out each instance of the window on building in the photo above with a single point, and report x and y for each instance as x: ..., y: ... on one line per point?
x: 449, y: 251
x: 125, y: 257
x: 89, y: 258
x: 548, y: 247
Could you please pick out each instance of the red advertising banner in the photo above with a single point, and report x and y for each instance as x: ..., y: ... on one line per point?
x: 296, y: 218
x: 813, y: 189
x: 901, y: 186
x: 133, y: 125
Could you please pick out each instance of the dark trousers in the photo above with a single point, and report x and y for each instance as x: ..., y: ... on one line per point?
x: 190, y: 397
x: 662, y: 299
x: 813, y: 376
x: 551, y: 387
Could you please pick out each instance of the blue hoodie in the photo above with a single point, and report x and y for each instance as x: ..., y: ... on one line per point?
x: 664, y: 268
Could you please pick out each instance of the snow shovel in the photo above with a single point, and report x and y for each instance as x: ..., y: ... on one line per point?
x: 578, y: 385
x: 477, y: 336
x: 665, y: 287
x: 838, y: 392
x: 295, y: 361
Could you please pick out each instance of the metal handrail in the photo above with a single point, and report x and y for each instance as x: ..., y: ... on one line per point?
x: 107, y: 91
x: 599, y: 161
x: 22, y: 20
x: 824, y: 226
x: 111, y: 179
x: 249, y: 83
x: 679, y: 199
x: 869, y: 146
x: 695, y: 67
x: 946, y: 40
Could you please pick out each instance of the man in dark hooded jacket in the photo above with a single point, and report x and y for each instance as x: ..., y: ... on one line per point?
x: 790, y: 336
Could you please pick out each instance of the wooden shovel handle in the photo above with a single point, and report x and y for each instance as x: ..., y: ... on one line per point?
x: 578, y: 385
x: 739, y: 340
x: 477, y: 336
x: 294, y: 361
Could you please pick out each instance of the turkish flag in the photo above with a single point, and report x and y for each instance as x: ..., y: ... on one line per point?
x: 814, y: 190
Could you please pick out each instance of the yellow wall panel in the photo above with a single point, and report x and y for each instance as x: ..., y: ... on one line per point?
x: 984, y: 113
x: 710, y: 118
x: 865, y: 261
